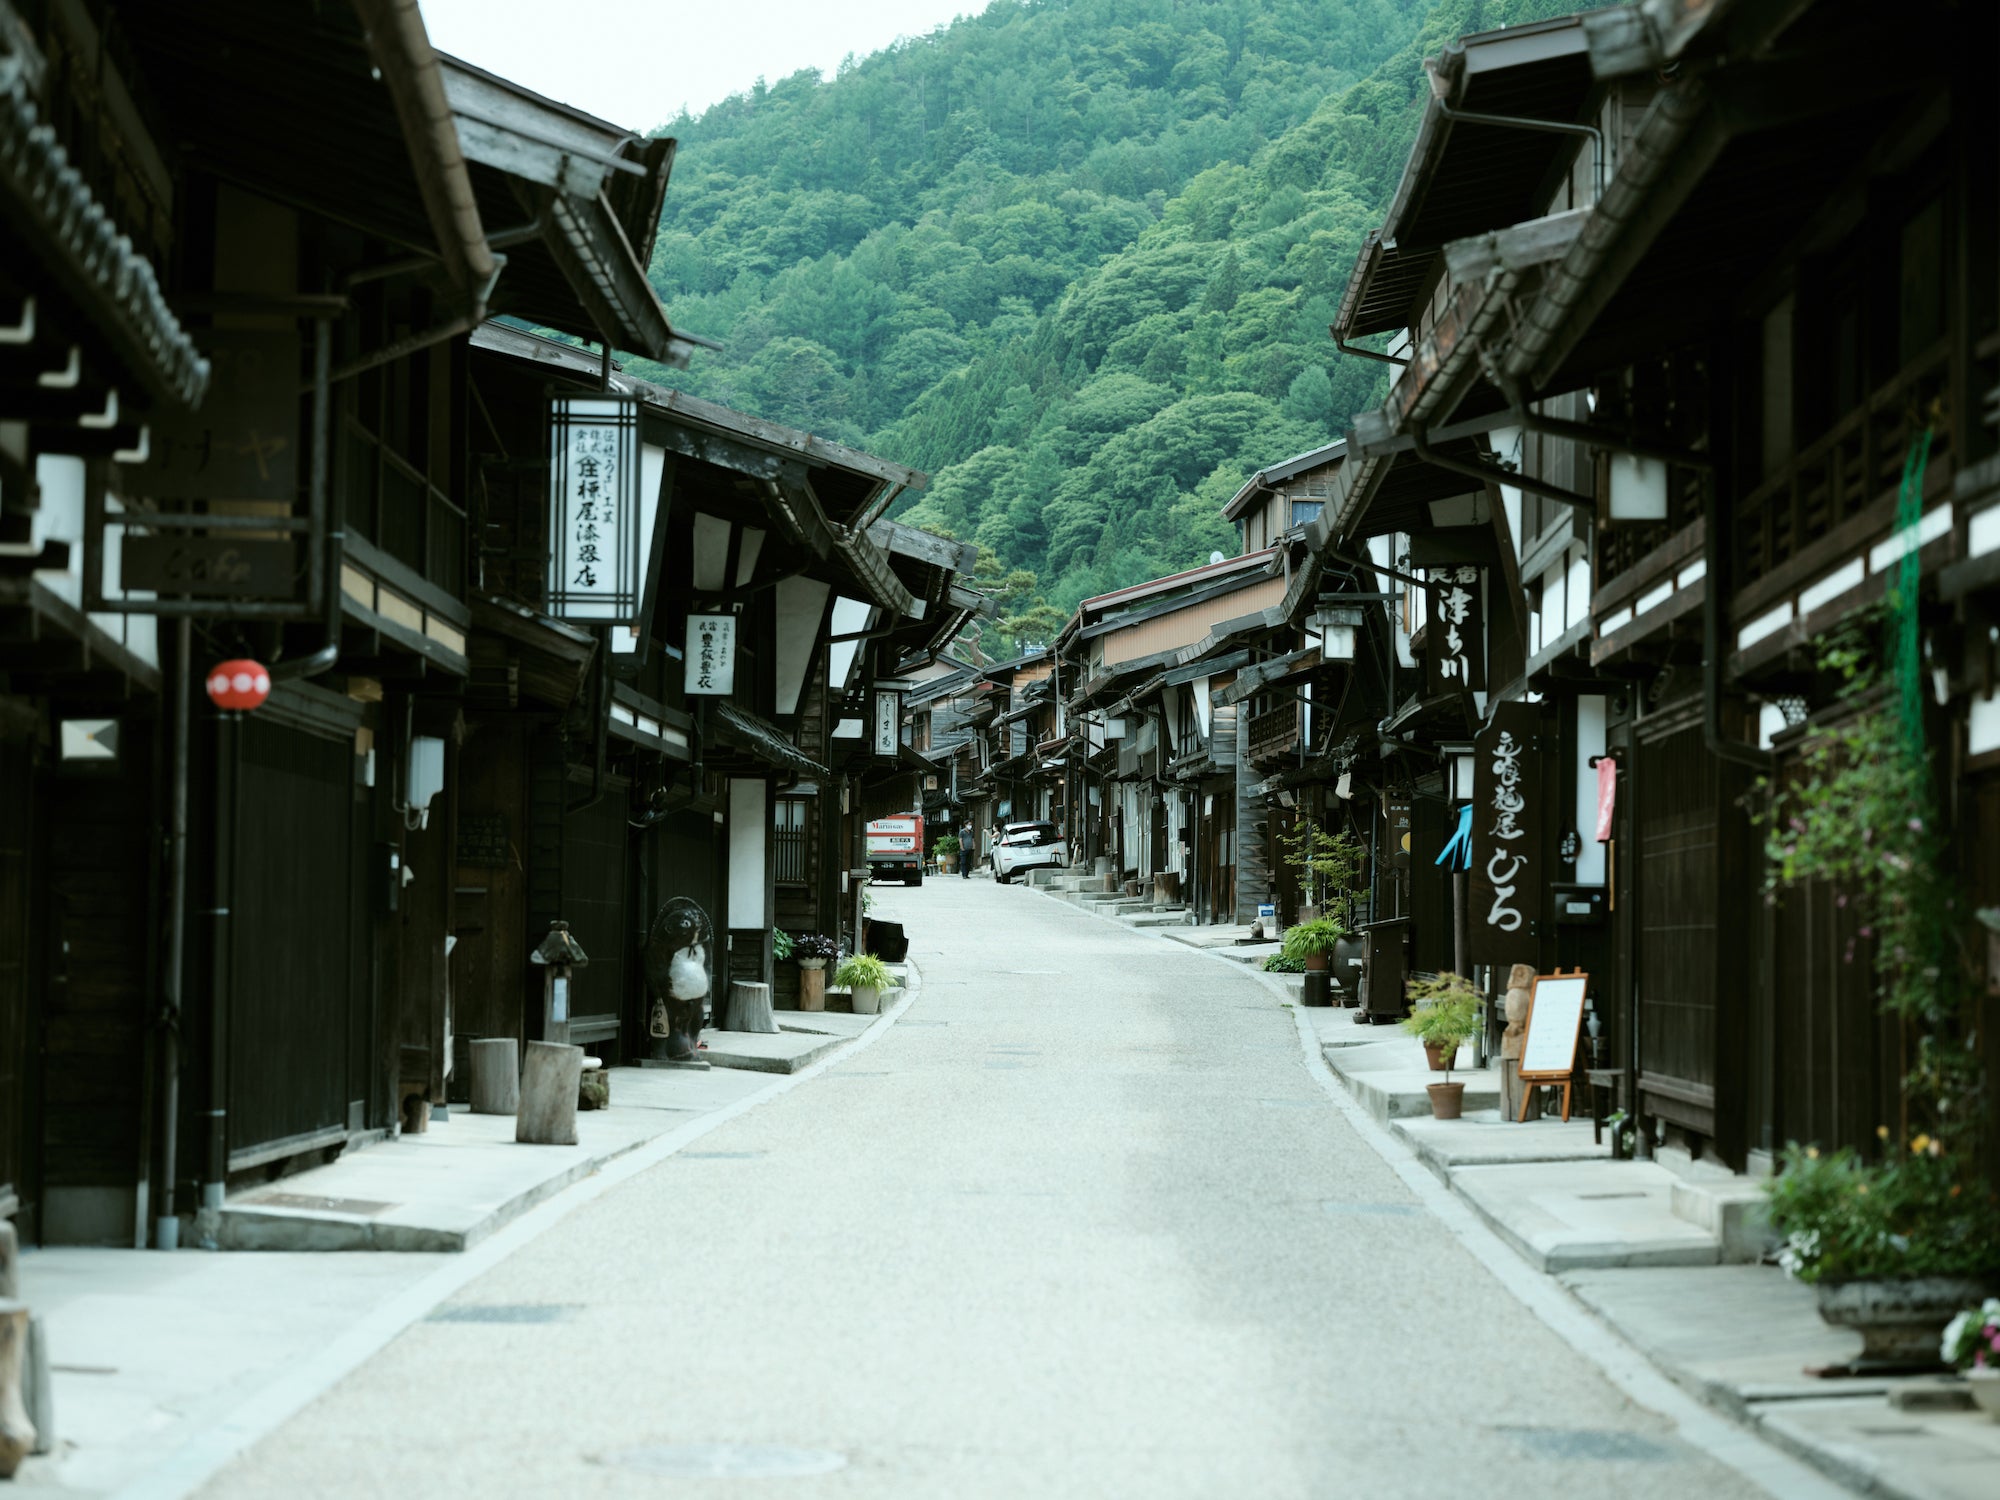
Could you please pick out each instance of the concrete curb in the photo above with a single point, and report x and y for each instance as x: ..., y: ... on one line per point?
x: 197, y: 1460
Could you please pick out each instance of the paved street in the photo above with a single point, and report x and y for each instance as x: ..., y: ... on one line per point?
x: 1080, y: 1223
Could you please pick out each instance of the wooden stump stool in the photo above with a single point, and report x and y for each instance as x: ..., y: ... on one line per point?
x: 496, y: 1076
x: 750, y: 1008
x: 549, y: 1082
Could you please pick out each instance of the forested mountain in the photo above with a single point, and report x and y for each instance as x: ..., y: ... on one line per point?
x: 1076, y: 258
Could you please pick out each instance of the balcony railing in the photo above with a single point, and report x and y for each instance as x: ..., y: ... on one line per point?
x: 1275, y: 733
x: 1856, y: 463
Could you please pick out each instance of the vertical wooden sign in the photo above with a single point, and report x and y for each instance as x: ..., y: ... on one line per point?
x: 1507, y: 874
x: 1454, y: 633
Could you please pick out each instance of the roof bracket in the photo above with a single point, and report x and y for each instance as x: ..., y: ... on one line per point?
x: 1494, y: 474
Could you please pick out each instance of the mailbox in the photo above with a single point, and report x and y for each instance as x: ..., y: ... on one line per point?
x: 1580, y: 905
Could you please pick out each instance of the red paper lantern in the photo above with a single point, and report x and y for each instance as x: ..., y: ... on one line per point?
x: 240, y: 684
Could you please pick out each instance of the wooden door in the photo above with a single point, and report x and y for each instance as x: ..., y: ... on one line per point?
x: 490, y: 974
x: 596, y: 879
x: 1696, y: 886
x: 291, y: 1027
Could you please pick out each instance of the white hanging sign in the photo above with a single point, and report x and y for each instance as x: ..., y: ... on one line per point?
x: 596, y: 542
x: 888, y: 721
x: 711, y: 655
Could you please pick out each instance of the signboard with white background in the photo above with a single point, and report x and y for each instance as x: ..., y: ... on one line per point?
x: 711, y: 656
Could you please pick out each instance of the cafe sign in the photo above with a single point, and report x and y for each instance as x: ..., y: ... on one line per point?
x: 597, y: 539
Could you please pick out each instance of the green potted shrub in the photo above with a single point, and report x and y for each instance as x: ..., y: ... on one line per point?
x: 946, y: 849
x: 1891, y: 1248
x: 1312, y: 943
x: 865, y: 977
x: 1445, y: 1015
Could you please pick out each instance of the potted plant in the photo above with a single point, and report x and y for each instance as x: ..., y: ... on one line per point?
x: 1328, y: 867
x: 1312, y: 943
x: 946, y: 849
x: 1971, y: 1345
x: 1427, y: 992
x: 1446, y: 1014
x: 1892, y: 1248
x: 865, y: 977
x: 812, y: 952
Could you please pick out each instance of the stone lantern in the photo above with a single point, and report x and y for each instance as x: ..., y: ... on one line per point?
x: 559, y: 955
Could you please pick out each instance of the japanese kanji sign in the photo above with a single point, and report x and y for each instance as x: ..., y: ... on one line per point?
x: 711, y: 655
x: 1507, y: 874
x: 596, y: 529
x: 888, y: 725
x: 1455, y: 633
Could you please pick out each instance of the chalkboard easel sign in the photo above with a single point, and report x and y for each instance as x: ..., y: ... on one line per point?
x: 1554, y: 1023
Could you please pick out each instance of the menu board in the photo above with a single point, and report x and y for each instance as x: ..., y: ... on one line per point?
x: 1555, y: 1019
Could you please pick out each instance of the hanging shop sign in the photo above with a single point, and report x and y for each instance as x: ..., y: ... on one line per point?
x: 241, y: 443
x: 711, y: 656
x: 1455, y: 633
x: 1607, y: 796
x: 1396, y: 829
x: 888, y: 721
x: 1507, y: 874
x: 597, y: 540
x: 238, y: 685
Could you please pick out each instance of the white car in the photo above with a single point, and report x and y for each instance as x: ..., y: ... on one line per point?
x: 1028, y: 846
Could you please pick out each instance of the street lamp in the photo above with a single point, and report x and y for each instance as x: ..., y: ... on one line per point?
x: 559, y: 955
x: 1459, y: 764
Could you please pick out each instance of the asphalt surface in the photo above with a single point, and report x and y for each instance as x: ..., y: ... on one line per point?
x: 1079, y: 1224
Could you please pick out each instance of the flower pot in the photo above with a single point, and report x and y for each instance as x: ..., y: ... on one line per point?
x: 1447, y: 1099
x: 812, y: 984
x: 1898, y: 1320
x: 1316, y: 963
x: 867, y: 1000
x: 1440, y: 1058
x: 1985, y: 1388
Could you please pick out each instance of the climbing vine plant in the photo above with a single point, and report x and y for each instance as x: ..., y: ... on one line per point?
x: 1860, y: 813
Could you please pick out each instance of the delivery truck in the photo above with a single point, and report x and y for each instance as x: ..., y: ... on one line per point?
x: 896, y: 848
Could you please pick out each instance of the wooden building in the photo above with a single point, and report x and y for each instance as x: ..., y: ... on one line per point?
x: 257, y: 411
x: 1689, y: 356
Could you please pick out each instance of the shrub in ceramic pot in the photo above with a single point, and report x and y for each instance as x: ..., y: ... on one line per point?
x: 1445, y: 1015
x: 1892, y: 1248
x: 1312, y: 943
x: 865, y: 977
x: 946, y: 849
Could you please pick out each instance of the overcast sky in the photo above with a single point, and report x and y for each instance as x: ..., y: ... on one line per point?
x: 635, y: 62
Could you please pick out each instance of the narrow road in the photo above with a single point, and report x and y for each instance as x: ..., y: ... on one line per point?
x: 1079, y: 1224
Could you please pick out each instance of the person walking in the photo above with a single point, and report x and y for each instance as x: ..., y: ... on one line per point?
x: 965, y: 848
